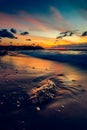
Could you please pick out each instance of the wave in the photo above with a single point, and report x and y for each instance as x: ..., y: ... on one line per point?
x: 71, y: 57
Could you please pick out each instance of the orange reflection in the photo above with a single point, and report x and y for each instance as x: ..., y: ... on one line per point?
x: 39, y: 66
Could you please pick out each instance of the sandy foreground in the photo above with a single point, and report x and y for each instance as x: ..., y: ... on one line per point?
x: 35, y: 98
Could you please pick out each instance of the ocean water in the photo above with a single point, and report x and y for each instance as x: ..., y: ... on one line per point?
x: 78, y: 58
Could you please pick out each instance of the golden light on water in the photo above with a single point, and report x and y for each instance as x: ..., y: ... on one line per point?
x: 37, y: 65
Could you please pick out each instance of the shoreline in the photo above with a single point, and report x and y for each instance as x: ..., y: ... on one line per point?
x: 74, y: 59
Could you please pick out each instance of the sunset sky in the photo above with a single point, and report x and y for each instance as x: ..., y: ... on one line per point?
x: 44, y: 20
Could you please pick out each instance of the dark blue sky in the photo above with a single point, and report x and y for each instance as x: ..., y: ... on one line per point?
x: 32, y: 6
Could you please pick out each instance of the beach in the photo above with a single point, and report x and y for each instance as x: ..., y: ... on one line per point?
x: 62, y: 106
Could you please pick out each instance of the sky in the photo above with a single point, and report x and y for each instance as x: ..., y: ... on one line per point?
x: 40, y: 22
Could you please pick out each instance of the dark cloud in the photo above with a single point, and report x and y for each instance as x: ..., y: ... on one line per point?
x: 24, y: 33
x: 85, y: 33
x: 4, y: 33
x: 71, y: 33
x: 28, y: 39
x: 65, y: 34
x: 13, y: 30
x: 59, y: 37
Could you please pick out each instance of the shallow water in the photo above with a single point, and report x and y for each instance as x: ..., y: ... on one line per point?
x: 39, y: 67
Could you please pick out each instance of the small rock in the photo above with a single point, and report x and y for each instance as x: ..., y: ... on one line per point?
x: 38, y: 108
x: 60, y: 74
x: 18, y: 101
x: 59, y: 110
x: 44, y: 93
x: 62, y: 106
x: 74, y: 80
x: 18, y: 105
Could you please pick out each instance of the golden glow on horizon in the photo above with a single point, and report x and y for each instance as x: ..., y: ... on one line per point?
x: 43, y: 41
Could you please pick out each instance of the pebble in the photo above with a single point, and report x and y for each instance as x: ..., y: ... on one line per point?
x: 18, y: 101
x: 59, y: 110
x: 62, y: 106
x: 60, y: 74
x: 73, y: 80
x: 18, y: 105
x: 38, y: 108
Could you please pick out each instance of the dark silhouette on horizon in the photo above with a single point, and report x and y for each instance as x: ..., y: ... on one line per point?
x: 16, y: 48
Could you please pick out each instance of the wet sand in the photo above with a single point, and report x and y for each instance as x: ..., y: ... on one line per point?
x: 19, y: 75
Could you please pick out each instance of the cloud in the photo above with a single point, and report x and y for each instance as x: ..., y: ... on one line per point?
x: 24, y: 33
x: 34, y: 22
x: 85, y: 33
x: 13, y: 30
x: 59, y: 37
x: 4, y: 33
x: 59, y: 20
x: 65, y: 34
x: 28, y: 39
x: 12, y: 21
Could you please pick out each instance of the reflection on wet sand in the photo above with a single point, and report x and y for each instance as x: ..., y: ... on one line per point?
x: 36, y: 65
